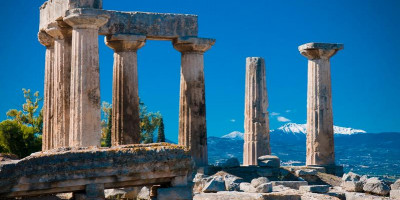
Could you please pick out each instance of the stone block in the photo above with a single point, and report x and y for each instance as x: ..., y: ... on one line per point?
x: 396, y: 185
x: 177, y: 193
x: 247, y: 187
x: 264, y: 188
x: 306, y: 172
x: 351, y: 177
x: 152, y: 25
x: 216, y: 184
x: 376, y: 186
x: 134, y: 165
x: 315, y: 188
x: 395, y: 194
x: 259, y: 181
x: 363, y: 196
x: 232, y: 183
x: 291, y: 184
x: 269, y: 161
x: 352, y: 186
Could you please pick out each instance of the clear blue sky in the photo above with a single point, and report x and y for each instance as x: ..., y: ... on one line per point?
x: 365, y: 75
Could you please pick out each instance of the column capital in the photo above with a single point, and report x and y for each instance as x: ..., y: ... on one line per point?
x: 86, y: 18
x: 125, y: 42
x: 193, y: 44
x: 319, y: 50
x: 45, y: 39
x: 59, y: 30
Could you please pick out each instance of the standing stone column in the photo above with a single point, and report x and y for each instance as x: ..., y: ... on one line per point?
x: 125, y: 100
x: 192, y: 105
x: 85, y: 78
x: 256, y: 122
x: 47, y: 41
x: 320, y: 144
x: 62, y: 35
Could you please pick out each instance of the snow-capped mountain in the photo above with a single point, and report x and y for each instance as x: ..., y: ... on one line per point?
x: 302, y: 128
x: 293, y: 128
x: 235, y: 135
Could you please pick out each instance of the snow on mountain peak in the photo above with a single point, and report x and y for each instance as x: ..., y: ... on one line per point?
x: 346, y: 131
x: 294, y: 128
x: 302, y: 128
x: 234, y: 135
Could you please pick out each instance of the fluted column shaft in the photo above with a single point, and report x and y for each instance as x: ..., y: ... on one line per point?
x: 85, y: 113
x: 47, y: 41
x: 192, y: 107
x: 256, y: 126
x: 125, y: 100
x: 62, y: 81
x: 320, y: 135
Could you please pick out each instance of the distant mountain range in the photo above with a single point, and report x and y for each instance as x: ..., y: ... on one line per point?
x: 293, y: 128
x: 365, y: 153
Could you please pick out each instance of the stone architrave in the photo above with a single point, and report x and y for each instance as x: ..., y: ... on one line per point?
x: 62, y: 35
x: 48, y: 42
x: 256, y: 125
x: 192, y: 107
x: 85, y: 81
x: 125, y: 100
x: 320, y: 141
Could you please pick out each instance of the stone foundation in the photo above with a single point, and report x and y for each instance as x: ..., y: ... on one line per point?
x: 81, y: 169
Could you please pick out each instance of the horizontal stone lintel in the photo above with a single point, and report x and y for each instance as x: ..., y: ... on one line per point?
x: 325, y: 46
x: 158, y: 26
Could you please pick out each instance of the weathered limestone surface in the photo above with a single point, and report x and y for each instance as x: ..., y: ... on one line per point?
x: 47, y: 136
x: 54, y: 10
x: 85, y: 80
x: 256, y: 125
x: 152, y: 25
x: 62, y: 35
x: 73, y: 169
x: 320, y: 144
x: 192, y: 107
x: 125, y: 103
x: 269, y: 161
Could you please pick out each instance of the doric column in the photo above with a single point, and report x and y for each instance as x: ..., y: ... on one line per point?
x: 192, y: 107
x: 62, y: 35
x: 256, y: 122
x: 85, y: 78
x: 47, y: 41
x: 125, y: 100
x: 320, y: 144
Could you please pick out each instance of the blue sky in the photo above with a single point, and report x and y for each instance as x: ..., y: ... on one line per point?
x: 365, y: 75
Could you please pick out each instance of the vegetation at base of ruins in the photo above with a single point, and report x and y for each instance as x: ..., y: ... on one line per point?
x: 106, y: 124
x: 21, y: 133
x: 161, y: 135
x: 149, y: 123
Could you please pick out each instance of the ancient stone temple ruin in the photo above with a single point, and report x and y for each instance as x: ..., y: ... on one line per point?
x: 72, y: 159
x: 69, y: 29
x: 256, y: 125
x: 320, y: 141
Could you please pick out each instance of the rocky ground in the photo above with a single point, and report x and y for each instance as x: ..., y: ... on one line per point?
x: 230, y: 181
